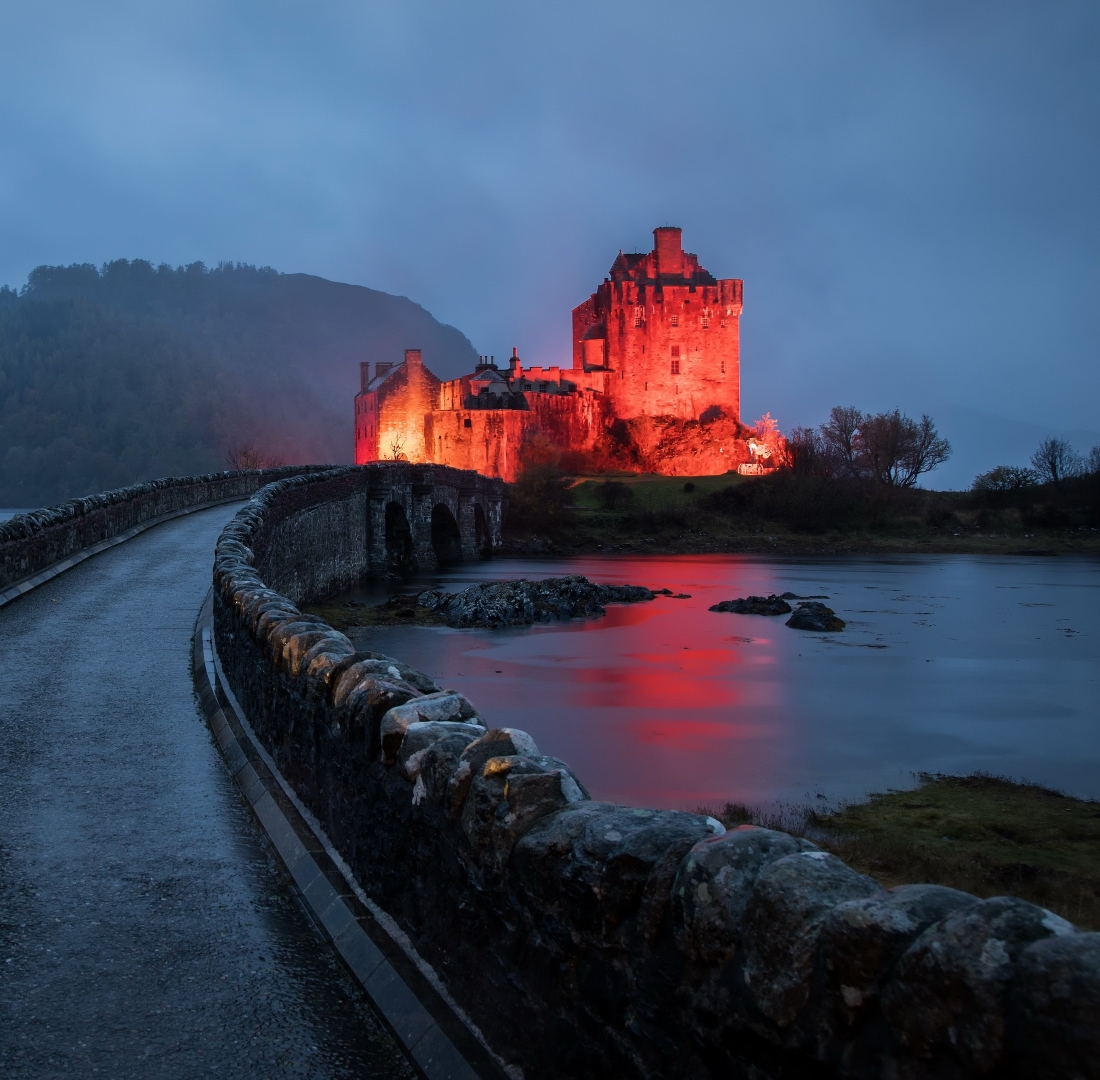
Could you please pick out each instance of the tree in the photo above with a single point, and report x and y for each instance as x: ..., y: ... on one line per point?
x: 248, y: 456
x: 807, y: 454
x: 1092, y: 465
x: 896, y: 450
x: 1055, y: 460
x: 927, y: 450
x: 1005, y: 478
x: 841, y: 437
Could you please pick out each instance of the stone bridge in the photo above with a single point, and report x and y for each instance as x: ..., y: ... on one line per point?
x: 331, y: 530
x: 420, y: 517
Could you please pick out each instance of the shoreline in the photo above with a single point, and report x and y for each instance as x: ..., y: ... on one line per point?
x: 979, y: 833
x: 1033, y: 546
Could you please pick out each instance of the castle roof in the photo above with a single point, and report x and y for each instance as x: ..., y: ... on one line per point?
x: 488, y: 375
x: 378, y: 380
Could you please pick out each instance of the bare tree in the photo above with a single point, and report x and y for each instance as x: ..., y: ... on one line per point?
x: 1055, y: 460
x: 247, y: 456
x: 927, y: 450
x: 806, y: 452
x: 841, y: 436
x: 896, y: 450
x: 397, y: 452
x: 1092, y: 465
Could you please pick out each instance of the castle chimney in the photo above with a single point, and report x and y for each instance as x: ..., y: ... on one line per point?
x: 412, y: 357
x: 670, y: 251
x: 513, y: 364
x: 381, y: 370
x: 364, y: 377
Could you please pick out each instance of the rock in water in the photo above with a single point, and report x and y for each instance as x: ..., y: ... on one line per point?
x: 511, y: 603
x: 812, y: 615
x: 755, y: 605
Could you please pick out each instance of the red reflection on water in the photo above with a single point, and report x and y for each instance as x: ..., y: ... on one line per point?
x: 662, y: 703
x: 691, y: 735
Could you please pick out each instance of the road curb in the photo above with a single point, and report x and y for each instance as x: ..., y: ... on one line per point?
x: 440, y: 1043
x: 25, y: 585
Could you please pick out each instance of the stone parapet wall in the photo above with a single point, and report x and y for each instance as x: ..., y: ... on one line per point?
x: 31, y: 543
x: 587, y: 939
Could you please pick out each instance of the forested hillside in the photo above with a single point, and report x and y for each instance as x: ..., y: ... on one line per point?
x: 115, y: 375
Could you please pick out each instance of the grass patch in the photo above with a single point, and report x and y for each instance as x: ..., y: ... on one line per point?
x: 982, y: 834
x: 398, y: 611
x: 780, y: 514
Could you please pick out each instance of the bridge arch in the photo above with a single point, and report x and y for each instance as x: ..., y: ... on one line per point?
x: 400, y: 549
x: 446, y: 536
x: 483, y: 538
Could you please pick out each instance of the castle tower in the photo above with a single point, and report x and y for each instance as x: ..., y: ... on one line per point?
x: 666, y: 332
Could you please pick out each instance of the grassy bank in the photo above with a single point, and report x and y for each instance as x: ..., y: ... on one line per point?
x: 624, y: 513
x: 982, y: 834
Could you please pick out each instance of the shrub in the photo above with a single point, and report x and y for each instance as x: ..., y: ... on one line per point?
x: 614, y: 495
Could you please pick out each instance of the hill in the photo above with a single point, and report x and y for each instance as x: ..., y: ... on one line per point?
x: 116, y: 375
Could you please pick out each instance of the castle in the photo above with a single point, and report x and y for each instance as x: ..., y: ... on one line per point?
x: 655, y: 385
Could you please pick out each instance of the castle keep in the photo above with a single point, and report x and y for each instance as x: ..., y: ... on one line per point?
x: 654, y: 384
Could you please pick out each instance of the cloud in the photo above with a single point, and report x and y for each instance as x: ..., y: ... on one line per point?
x: 909, y: 193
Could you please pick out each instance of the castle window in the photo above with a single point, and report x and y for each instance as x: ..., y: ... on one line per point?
x: 675, y: 320
x: 706, y: 321
x: 467, y: 422
x: 675, y: 350
x: 638, y: 322
x: 723, y: 367
x: 675, y: 367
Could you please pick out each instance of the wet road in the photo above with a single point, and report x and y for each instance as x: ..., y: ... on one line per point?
x: 145, y: 930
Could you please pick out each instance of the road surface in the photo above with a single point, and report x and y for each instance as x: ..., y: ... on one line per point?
x: 145, y: 929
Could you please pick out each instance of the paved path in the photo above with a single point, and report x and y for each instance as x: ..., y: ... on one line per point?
x: 145, y: 930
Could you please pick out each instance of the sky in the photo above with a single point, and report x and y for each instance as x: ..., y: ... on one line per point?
x: 910, y: 192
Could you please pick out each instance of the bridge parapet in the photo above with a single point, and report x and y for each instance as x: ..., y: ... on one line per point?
x: 587, y: 939
x: 32, y: 543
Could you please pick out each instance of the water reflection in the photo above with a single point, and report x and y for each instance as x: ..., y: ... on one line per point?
x: 949, y: 663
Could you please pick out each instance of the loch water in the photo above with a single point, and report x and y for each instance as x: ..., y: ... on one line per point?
x: 947, y: 664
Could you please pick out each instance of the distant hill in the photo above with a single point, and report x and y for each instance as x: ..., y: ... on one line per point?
x: 114, y: 375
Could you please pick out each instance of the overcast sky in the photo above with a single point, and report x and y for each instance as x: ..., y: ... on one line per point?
x: 911, y: 192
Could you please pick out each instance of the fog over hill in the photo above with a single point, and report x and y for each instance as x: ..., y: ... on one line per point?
x: 129, y: 372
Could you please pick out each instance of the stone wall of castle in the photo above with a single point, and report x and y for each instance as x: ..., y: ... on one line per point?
x: 389, y: 421
x: 489, y: 441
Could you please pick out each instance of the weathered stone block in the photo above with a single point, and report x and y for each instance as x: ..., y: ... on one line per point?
x: 948, y: 994
x: 782, y: 922
x: 861, y: 940
x: 714, y: 884
x: 1054, y: 1009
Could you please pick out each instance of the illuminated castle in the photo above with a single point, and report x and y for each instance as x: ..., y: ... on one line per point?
x: 655, y: 381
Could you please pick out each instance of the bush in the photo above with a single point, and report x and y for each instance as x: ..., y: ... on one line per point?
x: 940, y: 517
x: 541, y: 495
x: 803, y: 502
x: 614, y: 495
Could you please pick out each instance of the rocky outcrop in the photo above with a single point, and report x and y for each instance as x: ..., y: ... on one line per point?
x: 522, y: 602
x: 813, y: 615
x: 593, y: 940
x: 754, y: 605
